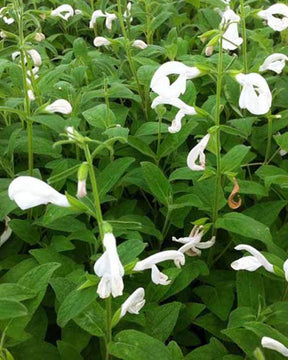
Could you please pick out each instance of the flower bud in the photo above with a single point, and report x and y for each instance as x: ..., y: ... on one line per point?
x: 39, y: 37
x: 101, y: 41
x: 140, y: 44
x: 209, y: 50
x: 3, y: 35
x: 82, y: 176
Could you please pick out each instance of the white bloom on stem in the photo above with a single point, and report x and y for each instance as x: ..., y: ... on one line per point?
x: 101, y: 41
x: 127, y: 12
x: 6, y: 19
x: 70, y: 132
x: 81, y: 188
x: 34, y: 71
x: 160, y: 82
x: 151, y: 261
x: 192, y: 243
x: 7, y: 231
x: 231, y: 39
x: 274, y: 62
x: 273, y: 344
x: 275, y: 22
x: 134, y: 302
x: 255, y: 96
x: 34, y: 55
x: 140, y: 44
x: 99, y: 13
x: 31, y: 95
x: 64, y: 11
x: 198, y: 153
x: 29, y: 192
x: 60, y: 106
x: 110, y: 269
x: 3, y: 34
x: 253, y: 262
x: 285, y: 268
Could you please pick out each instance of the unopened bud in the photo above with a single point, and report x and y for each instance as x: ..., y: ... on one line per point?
x: 209, y: 50
x: 39, y: 37
x: 82, y: 176
x: 3, y: 35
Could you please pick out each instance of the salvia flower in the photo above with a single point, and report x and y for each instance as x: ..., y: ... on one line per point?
x: 151, y: 261
x: 99, y: 13
x: 253, y: 262
x: 101, y: 41
x: 192, y: 243
x: 275, y: 22
x: 6, y: 233
x: 39, y: 37
x: 255, y: 96
x: 140, y: 44
x: 273, y: 344
x: 59, y: 106
x: 33, y: 54
x: 29, y: 192
x: 134, y: 303
x: 198, y: 153
x: 109, y: 268
x: 6, y: 19
x: 82, y: 176
x: 127, y: 12
x: 64, y: 11
x: 231, y: 39
x: 274, y: 62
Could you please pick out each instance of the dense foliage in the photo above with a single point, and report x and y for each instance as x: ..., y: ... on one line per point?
x: 54, y: 303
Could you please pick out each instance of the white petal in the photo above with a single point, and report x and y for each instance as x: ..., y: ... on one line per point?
x: 274, y: 62
x: 35, y: 56
x: 96, y: 14
x: 140, y: 44
x: 159, y: 278
x: 249, y: 263
x: 257, y: 255
x: 61, y: 106
x: 134, y: 302
x: 276, y: 23
x: 64, y: 11
x: 176, y: 124
x: 285, y: 268
x: 272, y: 344
x: 28, y: 192
x: 101, y: 41
x: 147, y: 263
x: 109, y: 20
x: 198, y: 152
x: 6, y: 233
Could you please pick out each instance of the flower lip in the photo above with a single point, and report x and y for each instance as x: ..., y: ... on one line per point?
x: 134, y: 303
x: 272, y: 344
x: 274, y: 62
x: 147, y: 263
x: 198, y: 152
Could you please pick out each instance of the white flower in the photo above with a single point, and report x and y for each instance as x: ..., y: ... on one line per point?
x: 276, y: 23
x: 61, y: 106
x: 160, y: 82
x: 231, y: 39
x: 140, y: 44
x: 256, y: 96
x: 134, y: 303
x: 198, y: 152
x: 3, y: 34
x: 81, y: 188
x: 285, y: 268
x: 34, y: 55
x: 99, y: 13
x: 251, y: 263
x: 283, y: 152
x: 274, y: 62
x: 34, y: 72
x: 64, y: 11
x: 70, y: 132
x: 31, y: 95
x: 78, y: 12
x: 272, y: 344
x: 110, y: 269
x: 6, y: 19
x: 7, y: 231
x: 101, y: 41
x: 29, y: 192
x: 127, y: 12
x: 192, y: 243
x: 109, y: 20
x: 151, y: 261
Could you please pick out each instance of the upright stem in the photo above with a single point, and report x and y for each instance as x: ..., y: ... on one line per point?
x: 25, y: 87
x: 218, y: 142
x: 243, y: 25
x: 108, y: 324
x: 94, y: 190
x: 269, y: 140
x: 130, y: 59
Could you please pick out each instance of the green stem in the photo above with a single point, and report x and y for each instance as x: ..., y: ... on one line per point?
x: 159, y: 136
x: 25, y: 87
x: 218, y: 141
x: 244, y: 35
x: 108, y: 324
x: 130, y: 59
x: 269, y: 140
x: 99, y: 217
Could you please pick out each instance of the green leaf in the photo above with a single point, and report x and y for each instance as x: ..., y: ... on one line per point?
x: 141, y: 146
x: 161, y: 320
x: 25, y: 231
x: 234, y: 158
x: 250, y: 287
x: 99, y: 116
x: 132, y: 344
x: 213, y: 351
x: 10, y: 309
x: 245, y: 226
x: 16, y: 292
x: 157, y: 183
x: 74, y: 304
x: 92, y: 320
